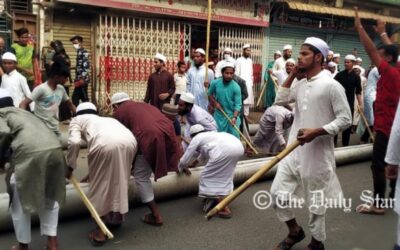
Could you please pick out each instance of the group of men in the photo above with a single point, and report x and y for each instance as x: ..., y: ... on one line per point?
x: 143, y: 138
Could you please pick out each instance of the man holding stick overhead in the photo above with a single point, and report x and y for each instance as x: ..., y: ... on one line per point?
x: 321, y: 110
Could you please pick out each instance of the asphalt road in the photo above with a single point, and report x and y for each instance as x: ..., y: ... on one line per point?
x: 249, y: 228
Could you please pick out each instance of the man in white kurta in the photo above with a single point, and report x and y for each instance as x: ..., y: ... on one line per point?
x: 321, y: 111
x: 281, y: 75
x: 281, y: 61
x: 221, y: 152
x: 196, y: 79
x: 111, y: 150
x: 227, y: 58
x: 392, y: 169
x: 244, y: 69
x: 194, y: 115
x: 274, y: 123
x: 14, y: 81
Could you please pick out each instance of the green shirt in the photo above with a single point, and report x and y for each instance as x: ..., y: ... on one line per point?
x: 24, y: 56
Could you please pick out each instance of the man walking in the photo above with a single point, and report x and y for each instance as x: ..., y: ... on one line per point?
x: 82, y: 77
x: 321, y: 110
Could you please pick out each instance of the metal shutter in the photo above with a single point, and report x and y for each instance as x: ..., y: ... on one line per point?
x: 66, y: 26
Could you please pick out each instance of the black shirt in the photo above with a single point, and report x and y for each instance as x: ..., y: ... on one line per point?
x: 351, y: 82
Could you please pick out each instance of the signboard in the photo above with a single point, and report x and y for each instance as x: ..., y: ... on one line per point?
x: 246, y: 12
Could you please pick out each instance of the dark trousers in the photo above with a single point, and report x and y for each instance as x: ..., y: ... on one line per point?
x: 64, y: 112
x: 80, y: 94
x: 177, y: 97
x: 365, y: 136
x: 378, y: 167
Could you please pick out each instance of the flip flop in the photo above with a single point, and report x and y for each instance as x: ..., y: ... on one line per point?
x: 94, y: 242
x: 224, y: 215
x: 320, y: 246
x: 209, y: 204
x: 151, y: 220
x: 367, y: 209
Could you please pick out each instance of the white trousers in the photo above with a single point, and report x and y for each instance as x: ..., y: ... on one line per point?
x: 22, y: 221
x: 316, y: 223
x: 246, y: 109
x: 142, y: 174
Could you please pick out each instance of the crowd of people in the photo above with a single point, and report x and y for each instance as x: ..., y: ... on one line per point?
x: 309, y: 99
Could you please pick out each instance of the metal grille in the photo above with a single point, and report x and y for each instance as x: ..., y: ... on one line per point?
x: 235, y: 38
x: 20, y: 5
x: 126, y: 47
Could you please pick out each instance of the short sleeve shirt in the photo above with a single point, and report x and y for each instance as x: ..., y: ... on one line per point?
x: 47, y: 102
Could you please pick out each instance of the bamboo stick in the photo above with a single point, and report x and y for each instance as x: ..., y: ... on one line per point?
x: 208, y: 44
x: 366, y: 123
x: 90, y: 207
x: 238, y: 130
x: 265, y: 168
x: 262, y: 93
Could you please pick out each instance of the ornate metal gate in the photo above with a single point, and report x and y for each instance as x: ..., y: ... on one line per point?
x: 126, y: 47
x: 235, y: 38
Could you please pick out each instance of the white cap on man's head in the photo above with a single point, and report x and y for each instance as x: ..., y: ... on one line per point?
x: 330, y: 53
x: 319, y: 44
x: 287, y: 46
x: 246, y: 46
x: 4, y: 93
x: 290, y: 60
x: 196, y: 129
x: 350, y: 57
x: 227, y: 64
x: 187, y: 97
x: 9, y: 56
x: 160, y: 57
x: 227, y: 50
x: 86, y: 106
x: 359, y: 59
x: 332, y: 64
x: 201, y: 51
x: 119, y: 97
x: 357, y: 67
x: 278, y: 52
x: 336, y: 55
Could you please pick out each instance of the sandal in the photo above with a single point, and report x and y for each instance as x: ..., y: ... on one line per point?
x: 95, y: 242
x: 285, y: 245
x: 315, y: 246
x: 225, y: 214
x: 209, y: 204
x: 151, y: 220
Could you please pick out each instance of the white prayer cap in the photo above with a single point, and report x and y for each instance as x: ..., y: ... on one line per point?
x: 287, y: 46
x: 330, y: 52
x: 350, y: 57
x: 187, y: 97
x: 226, y: 64
x: 278, y: 52
x: 160, y: 57
x: 319, y: 44
x: 357, y: 67
x: 336, y: 55
x: 332, y: 64
x: 201, y: 51
x: 228, y: 50
x: 246, y: 46
x: 9, y: 56
x: 119, y: 97
x: 86, y: 106
x: 290, y: 60
x: 359, y: 59
x: 196, y: 129
x: 4, y: 93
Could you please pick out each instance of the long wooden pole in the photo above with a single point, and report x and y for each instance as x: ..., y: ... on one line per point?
x: 90, y: 207
x: 265, y: 168
x: 208, y: 44
x: 238, y: 130
x: 262, y: 93
x: 366, y: 123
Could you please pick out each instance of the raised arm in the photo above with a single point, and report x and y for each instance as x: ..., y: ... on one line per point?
x: 366, y: 40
